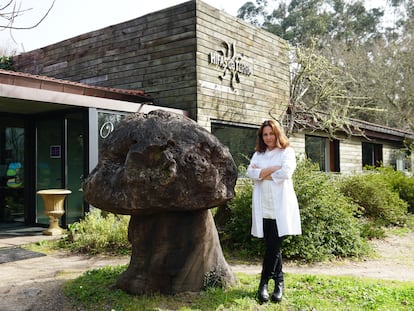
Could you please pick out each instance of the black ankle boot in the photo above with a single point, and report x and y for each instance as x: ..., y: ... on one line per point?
x: 263, y: 294
x: 278, y: 292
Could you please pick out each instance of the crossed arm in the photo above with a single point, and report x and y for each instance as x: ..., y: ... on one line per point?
x: 266, y: 172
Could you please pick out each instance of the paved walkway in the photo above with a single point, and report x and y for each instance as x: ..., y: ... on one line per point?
x: 395, y: 260
x: 35, y: 284
x: 15, y: 236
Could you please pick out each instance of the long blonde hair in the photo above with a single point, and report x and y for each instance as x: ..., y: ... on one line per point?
x: 281, y: 139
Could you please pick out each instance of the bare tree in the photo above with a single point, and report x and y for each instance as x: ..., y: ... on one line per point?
x: 320, y: 96
x: 12, y: 10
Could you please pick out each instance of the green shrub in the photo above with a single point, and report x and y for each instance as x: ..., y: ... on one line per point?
x: 98, y: 233
x: 401, y: 183
x: 329, y: 228
x: 405, y: 188
x: 376, y: 198
x: 328, y: 225
x: 6, y: 62
x: 370, y: 230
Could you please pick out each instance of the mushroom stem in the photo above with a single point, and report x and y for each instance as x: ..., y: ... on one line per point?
x: 174, y: 252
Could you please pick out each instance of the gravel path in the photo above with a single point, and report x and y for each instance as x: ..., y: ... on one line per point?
x: 35, y: 284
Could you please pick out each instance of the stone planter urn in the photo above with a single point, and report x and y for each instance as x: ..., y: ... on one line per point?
x: 54, y: 208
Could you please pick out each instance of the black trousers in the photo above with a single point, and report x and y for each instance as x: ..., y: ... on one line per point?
x: 272, y: 262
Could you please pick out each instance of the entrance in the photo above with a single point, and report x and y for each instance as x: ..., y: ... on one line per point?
x: 46, y: 153
x: 12, y: 142
x: 60, y: 163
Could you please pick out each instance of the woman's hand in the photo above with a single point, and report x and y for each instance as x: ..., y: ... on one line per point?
x: 268, y: 171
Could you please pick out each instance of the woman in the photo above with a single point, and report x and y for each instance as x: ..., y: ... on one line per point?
x: 275, y: 211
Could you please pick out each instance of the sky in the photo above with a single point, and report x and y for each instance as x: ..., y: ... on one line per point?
x: 70, y: 18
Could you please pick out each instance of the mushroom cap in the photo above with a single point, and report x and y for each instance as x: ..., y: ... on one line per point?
x: 160, y: 162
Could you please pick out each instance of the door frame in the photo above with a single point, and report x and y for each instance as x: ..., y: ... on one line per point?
x: 31, y: 160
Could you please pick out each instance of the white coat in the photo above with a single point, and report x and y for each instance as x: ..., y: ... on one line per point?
x: 286, y: 203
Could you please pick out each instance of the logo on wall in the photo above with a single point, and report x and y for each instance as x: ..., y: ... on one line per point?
x: 231, y: 63
x: 106, y: 129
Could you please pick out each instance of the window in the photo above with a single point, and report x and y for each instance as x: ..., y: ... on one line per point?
x: 106, y: 123
x: 371, y: 154
x: 12, y: 143
x: 241, y: 141
x: 324, y: 152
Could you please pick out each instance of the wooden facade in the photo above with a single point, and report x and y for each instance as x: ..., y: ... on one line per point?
x: 227, y: 74
x: 190, y: 56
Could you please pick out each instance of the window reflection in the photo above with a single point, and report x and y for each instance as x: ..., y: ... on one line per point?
x: 11, y: 170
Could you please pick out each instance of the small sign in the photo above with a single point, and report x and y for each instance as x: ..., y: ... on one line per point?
x: 55, y: 152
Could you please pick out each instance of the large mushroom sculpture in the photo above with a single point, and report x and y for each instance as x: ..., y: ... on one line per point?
x: 166, y: 171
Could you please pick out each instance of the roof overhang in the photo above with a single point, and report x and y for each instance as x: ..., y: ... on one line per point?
x: 26, y: 94
x: 25, y: 100
x: 356, y: 127
x: 377, y: 131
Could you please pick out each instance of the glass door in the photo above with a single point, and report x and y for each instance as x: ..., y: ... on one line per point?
x: 60, y: 163
x: 12, y: 141
x: 74, y: 166
x: 50, y: 156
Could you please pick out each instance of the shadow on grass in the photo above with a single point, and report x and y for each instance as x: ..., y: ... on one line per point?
x: 95, y: 290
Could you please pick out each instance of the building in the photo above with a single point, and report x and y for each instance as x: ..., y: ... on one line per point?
x: 227, y: 74
x: 224, y: 73
x: 50, y: 130
x: 350, y: 154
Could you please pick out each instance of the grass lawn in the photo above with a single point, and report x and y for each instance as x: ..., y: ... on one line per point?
x: 95, y: 290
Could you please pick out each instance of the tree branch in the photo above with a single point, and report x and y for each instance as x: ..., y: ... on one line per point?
x: 10, y: 17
